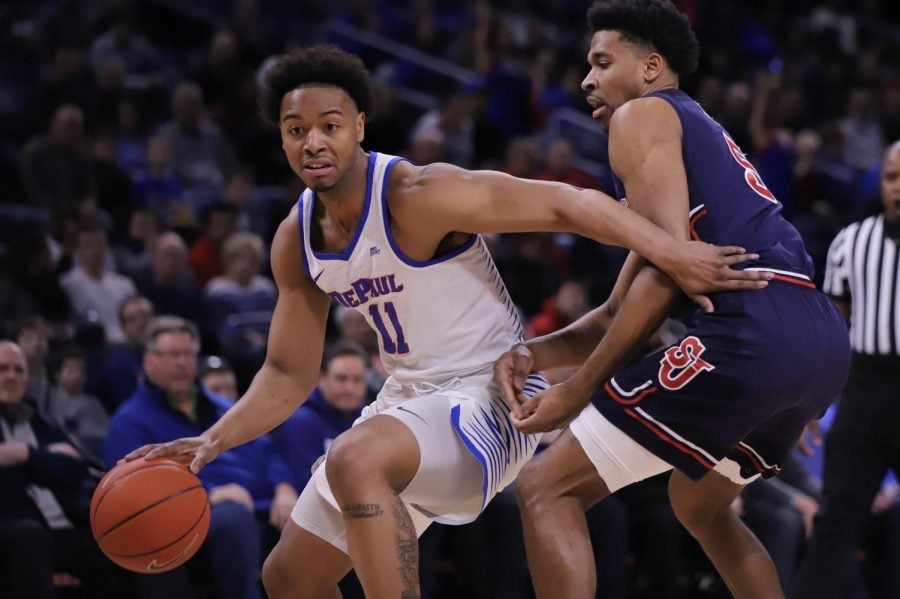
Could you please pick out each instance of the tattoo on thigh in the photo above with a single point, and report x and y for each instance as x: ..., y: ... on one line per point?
x: 362, y: 510
x: 407, y: 552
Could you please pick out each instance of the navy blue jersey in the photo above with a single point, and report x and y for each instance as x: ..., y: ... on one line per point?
x: 746, y: 378
x: 729, y: 202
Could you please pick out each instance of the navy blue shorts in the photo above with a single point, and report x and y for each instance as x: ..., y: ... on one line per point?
x: 742, y: 384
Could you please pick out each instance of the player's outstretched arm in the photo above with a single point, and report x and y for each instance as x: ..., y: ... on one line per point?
x: 442, y: 198
x: 289, y: 373
x: 648, y: 161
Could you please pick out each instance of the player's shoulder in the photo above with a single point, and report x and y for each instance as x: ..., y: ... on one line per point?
x: 414, y: 186
x: 647, y: 113
x: 286, y: 253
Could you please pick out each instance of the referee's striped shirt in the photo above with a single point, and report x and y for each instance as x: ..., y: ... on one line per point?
x: 863, y: 268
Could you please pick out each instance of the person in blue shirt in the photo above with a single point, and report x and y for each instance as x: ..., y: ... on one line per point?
x: 331, y: 408
x: 250, y: 489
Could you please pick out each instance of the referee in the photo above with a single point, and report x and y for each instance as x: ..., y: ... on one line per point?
x: 863, y: 277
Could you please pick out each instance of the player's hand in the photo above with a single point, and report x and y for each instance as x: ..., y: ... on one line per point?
x: 231, y: 492
x: 195, y: 452
x: 282, y: 505
x: 551, y: 409
x: 810, y: 439
x: 700, y: 268
x: 510, y: 371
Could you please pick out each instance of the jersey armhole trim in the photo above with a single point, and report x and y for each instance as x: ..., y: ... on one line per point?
x: 301, y: 207
x: 386, y: 217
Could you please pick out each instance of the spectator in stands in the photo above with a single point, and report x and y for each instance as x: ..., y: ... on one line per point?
x: 218, y: 378
x: 452, y: 125
x: 354, y: 328
x: 201, y: 153
x: 79, y: 414
x: 95, y: 290
x: 239, y: 305
x: 221, y: 78
x: 131, y: 142
x: 219, y: 221
x: 143, y: 64
x: 521, y: 158
x: 113, y: 192
x: 158, y: 188
x: 41, y: 475
x: 241, y: 193
x: 570, y: 303
x: 33, y: 339
x: 168, y: 281
x: 133, y: 252
x: 34, y: 279
x: 250, y: 489
x: 560, y: 167
x: 123, y: 362
x: 862, y: 130
x: 56, y: 168
x: 335, y: 403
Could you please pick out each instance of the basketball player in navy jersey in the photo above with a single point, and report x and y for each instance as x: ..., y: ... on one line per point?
x: 726, y: 403
x: 399, y: 243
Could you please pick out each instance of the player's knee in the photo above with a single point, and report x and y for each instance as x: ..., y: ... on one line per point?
x: 531, y: 488
x: 696, y: 514
x: 347, y: 461
x: 277, y: 576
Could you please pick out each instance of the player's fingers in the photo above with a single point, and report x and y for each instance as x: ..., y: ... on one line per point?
x: 202, y: 457
x: 741, y: 284
x: 728, y: 250
x: 731, y: 259
x: 164, y: 450
x: 509, y: 395
x: 704, y: 302
x: 137, y: 453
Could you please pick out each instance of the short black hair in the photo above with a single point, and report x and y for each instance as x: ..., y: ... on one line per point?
x: 653, y: 23
x: 324, y: 64
x: 340, y: 349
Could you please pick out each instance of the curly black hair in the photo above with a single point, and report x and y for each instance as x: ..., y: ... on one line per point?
x: 324, y: 64
x: 656, y: 24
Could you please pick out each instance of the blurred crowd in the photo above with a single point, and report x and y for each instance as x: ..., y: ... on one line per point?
x: 138, y: 181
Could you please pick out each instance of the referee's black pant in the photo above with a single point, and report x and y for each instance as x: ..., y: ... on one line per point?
x: 863, y: 443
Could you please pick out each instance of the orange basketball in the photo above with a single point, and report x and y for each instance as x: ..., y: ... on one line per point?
x: 150, y: 516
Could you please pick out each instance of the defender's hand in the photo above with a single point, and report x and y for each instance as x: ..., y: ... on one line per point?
x: 510, y: 371
x: 551, y: 409
x: 197, y: 452
x: 700, y: 268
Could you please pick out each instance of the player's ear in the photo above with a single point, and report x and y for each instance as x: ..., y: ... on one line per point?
x: 361, y: 127
x: 653, y: 66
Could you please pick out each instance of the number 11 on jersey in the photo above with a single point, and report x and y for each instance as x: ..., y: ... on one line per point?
x: 390, y: 346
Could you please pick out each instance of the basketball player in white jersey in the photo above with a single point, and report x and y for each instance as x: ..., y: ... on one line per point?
x: 400, y: 244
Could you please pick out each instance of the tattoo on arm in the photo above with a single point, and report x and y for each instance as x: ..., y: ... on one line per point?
x: 407, y: 552
x: 362, y: 510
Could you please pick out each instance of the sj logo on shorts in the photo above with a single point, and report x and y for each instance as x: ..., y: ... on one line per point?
x: 680, y: 364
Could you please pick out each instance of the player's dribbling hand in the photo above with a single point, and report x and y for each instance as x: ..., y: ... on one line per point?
x: 195, y: 452
x: 510, y: 371
x: 550, y: 409
x: 700, y: 268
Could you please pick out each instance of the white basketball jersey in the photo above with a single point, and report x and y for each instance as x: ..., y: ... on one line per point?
x: 441, y: 318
